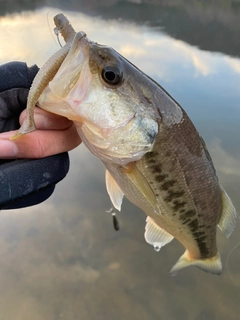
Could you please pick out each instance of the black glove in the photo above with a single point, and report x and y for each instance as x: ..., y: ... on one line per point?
x: 24, y: 182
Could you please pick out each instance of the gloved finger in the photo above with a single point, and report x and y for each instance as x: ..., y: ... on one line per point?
x: 15, y: 81
x: 29, y: 182
x: 47, y: 120
x: 38, y: 144
x: 12, y: 103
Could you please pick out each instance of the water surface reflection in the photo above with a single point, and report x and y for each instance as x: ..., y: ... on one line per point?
x: 62, y: 259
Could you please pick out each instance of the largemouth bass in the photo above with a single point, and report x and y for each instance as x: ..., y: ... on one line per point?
x: 152, y: 152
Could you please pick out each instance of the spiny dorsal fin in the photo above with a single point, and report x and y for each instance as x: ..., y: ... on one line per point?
x: 228, y: 219
x: 115, y: 193
x: 155, y: 235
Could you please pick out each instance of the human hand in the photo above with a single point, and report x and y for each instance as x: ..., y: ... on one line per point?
x: 54, y: 135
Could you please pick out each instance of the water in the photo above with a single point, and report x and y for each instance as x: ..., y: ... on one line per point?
x: 157, y: 248
x: 63, y: 259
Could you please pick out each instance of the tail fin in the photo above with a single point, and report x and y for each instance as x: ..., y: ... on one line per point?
x: 212, y: 265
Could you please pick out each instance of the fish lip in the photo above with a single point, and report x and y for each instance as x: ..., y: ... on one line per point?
x: 80, y: 43
x: 84, y: 43
x: 84, y: 35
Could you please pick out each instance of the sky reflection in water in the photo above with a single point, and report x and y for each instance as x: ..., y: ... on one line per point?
x: 62, y: 259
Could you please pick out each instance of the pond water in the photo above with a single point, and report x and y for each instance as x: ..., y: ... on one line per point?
x: 62, y: 259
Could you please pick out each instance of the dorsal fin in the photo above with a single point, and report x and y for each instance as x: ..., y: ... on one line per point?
x: 228, y: 219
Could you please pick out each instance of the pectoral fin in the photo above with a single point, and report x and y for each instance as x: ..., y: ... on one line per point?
x: 229, y: 215
x: 115, y: 193
x: 155, y: 235
x: 140, y: 182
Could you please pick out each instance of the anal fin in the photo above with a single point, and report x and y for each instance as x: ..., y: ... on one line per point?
x: 155, y: 235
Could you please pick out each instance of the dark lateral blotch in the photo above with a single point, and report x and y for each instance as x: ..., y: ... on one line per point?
x: 161, y: 177
x: 150, y: 155
x: 193, y: 225
x: 178, y: 205
x: 173, y: 194
x: 190, y: 213
x: 167, y: 184
x: 156, y: 169
x: 152, y: 161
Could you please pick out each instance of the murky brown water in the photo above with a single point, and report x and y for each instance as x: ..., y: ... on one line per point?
x: 62, y: 259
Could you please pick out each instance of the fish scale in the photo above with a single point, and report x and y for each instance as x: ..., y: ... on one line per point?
x: 182, y: 209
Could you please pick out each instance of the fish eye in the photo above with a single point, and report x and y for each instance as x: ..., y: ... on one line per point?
x: 112, y: 75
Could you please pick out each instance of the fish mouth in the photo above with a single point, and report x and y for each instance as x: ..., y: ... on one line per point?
x: 71, y: 83
x: 81, y: 41
x: 69, y: 72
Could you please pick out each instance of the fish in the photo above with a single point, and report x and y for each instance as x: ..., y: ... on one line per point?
x: 153, y: 154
